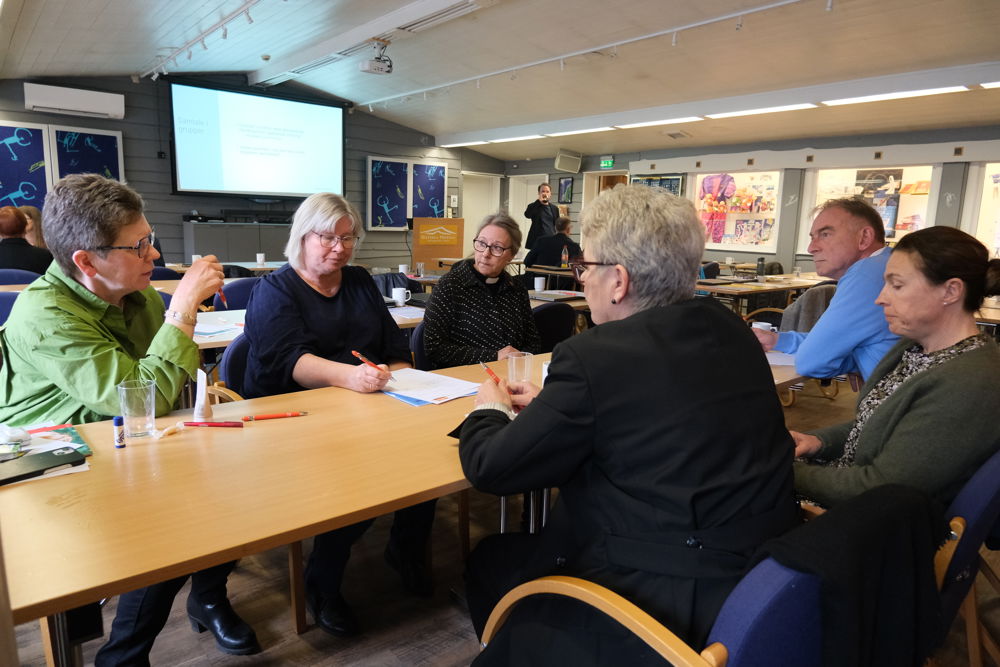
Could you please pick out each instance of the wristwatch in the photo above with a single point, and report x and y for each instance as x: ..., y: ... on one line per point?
x: 183, y: 318
x: 496, y: 405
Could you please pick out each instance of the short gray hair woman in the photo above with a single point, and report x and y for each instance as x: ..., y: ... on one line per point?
x: 318, y: 214
x: 628, y: 427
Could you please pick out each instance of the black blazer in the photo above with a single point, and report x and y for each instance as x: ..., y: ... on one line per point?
x: 539, y: 228
x: 665, y: 437
x: 17, y: 253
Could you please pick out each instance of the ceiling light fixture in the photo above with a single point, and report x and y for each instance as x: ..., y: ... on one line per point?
x: 669, y: 121
x: 199, y: 40
x: 754, y: 112
x: 464, y: 143
x: 566, y: 134
x: 524, y: 138
x: 881, y: 97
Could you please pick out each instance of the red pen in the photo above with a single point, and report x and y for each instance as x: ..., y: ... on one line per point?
x: 277, y: 415
x: 222, y: 298
x: 496, y: 378
x: 219, y: 424
x: 367, y: 362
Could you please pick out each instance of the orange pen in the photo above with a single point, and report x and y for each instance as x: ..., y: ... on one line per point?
x: 367, y: 362
x: 277, y: 415
x: 494, y: 376
x: 222, y: 298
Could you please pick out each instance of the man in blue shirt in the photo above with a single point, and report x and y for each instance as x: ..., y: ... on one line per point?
x: 847, y: 244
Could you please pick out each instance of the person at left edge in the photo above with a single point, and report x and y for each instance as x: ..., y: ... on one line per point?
x: 91, y: 321
x: 303, y: 321
x: 15, y: 250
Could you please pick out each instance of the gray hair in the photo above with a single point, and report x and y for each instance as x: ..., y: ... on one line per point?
x: 319, y: 213
x: 505, y: 222
x: 85, y: 212
x: 655, y: 235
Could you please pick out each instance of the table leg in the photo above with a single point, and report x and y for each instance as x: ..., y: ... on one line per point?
x: 296, y: 582
x: 59, y: 652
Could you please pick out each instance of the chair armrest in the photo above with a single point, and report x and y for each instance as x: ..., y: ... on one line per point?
x: 644, y: 626
x: 942, y: 557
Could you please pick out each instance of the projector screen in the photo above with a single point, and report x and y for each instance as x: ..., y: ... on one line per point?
x: 242, y: 144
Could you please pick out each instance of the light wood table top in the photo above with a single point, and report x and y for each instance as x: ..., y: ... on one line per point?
x: 989, y: 315
x: 163, y: 508
x: 266, y: 267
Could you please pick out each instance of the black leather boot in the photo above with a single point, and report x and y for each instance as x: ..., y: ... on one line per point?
x: 332, y: 614
x: 232, y: 634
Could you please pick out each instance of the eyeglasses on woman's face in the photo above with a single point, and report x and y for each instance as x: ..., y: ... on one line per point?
x: 330, y: 240
x: 141, y: 248
x: 496, y: 249
x: 580, y: 267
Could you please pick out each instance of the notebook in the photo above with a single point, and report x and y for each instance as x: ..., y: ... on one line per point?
x: 555, y: 295
x: 34, y: 465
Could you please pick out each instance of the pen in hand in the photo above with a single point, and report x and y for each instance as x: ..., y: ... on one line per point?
x: 368, y: 362
x: 222, y: 298
x: 493, y: 376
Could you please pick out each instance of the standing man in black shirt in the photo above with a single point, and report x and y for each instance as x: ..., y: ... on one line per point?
x: 543, y: 215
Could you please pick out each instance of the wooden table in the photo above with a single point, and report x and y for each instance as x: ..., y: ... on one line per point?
x: 266, y: 267
x: 738, y: 291
x: 159, y: 509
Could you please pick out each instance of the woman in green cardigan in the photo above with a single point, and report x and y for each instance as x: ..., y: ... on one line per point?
x: 927, y: 417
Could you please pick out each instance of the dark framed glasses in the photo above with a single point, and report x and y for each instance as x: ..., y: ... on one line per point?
x: 141, y: 248
x: 580, y: 267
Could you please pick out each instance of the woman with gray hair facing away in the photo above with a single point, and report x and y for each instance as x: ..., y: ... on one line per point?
x: 665, y: 489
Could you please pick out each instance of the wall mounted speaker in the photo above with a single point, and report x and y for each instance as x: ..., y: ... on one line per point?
x: 567, y: 161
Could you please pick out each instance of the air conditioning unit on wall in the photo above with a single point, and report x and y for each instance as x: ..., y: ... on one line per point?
x: 73, y: 101
x: 567, y: 161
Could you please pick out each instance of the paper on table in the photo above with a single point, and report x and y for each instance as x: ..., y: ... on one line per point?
x: 407, y: 311
x: 209, y: 330
x: 411, y: 384
x: 780, y: 359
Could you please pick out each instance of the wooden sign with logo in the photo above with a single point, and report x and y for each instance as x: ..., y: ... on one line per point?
x: 435, y: 238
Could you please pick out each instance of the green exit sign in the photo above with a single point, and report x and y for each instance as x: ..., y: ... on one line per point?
x: 607, y: 162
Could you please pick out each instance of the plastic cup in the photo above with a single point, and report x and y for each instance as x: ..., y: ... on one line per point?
x: 261, y: 259
x: 519, y: 367
x: 137, y: 400
x: 420, y: 269
x: 404, y: 269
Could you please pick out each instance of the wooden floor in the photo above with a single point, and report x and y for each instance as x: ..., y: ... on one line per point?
x: 401, y: 629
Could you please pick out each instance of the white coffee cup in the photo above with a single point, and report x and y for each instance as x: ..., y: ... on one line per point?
x: 260, y: 259
x: 729, y: 260
x: 539, y: 283
x: 195, y: 258
x: 763, y: 326
x: 400, y: 295
x: 404, y: 269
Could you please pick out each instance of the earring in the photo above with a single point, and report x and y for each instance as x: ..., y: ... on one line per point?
x: 614, y: 301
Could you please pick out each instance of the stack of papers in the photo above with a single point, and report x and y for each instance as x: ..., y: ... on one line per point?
x: 422, y: 388
x: 210, y: 330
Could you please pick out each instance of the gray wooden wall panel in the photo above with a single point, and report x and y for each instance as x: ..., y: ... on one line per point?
x: 146, y: 132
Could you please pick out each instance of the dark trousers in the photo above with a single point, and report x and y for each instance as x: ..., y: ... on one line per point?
x: 411, y: 528
x: 143, y: 613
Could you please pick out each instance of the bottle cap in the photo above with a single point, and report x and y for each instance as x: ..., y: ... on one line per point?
x: 118, y: 421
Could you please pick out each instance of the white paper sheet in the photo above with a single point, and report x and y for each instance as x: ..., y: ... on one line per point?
x: 780, y: 359
x: 429, y: 387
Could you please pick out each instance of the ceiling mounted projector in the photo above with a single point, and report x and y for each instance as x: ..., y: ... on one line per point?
x: 380, y: 63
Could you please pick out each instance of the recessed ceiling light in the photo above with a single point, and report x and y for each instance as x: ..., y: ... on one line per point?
x: 524, y: 138
x: 593, y: 129
x: 465, y: 143
x: 881, y: 97
x: 669, y: 121
x: 753, y: 112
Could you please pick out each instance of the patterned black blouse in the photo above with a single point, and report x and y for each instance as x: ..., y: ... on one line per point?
x: 468, y: 321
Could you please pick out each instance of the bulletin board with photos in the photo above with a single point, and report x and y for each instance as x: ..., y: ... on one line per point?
x: 739, y: 210
x: 988, y: 225
x: 899, y: 194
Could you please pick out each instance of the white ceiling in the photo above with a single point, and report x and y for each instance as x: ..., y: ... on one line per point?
x: 513, y: 67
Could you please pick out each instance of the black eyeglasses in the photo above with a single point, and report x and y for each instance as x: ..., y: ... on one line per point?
x: 330, y: 240
x: 496, y: 249
x: 141, y: 248
x: 580, y: 267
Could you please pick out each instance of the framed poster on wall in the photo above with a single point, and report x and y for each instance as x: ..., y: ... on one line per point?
x: 78, y: 150
x: 739, y: 210
x: 24, y: 164
x: 399, y: 188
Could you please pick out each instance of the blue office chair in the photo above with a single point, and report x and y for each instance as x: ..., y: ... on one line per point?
x: 163, y: 273
x: 420, y: 361
x: 166, y: 299
x: 978, y: 504
x: 555, y: 322
x: 17, y: 276
x: 237, y: 294
x: 771, y: 617
x: 233, y: 364
x: 6, y: 304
